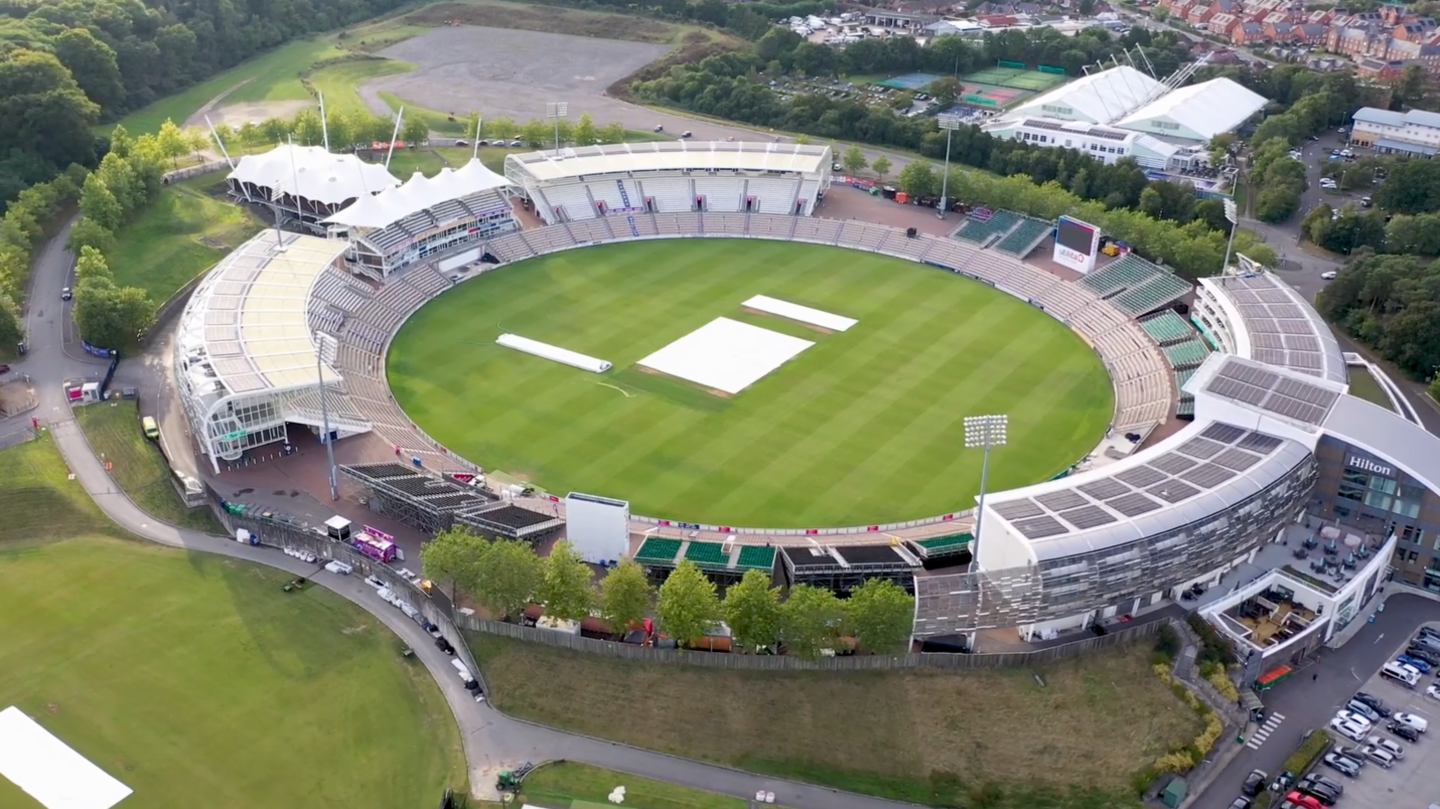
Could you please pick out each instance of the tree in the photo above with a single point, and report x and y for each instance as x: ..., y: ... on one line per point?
x: 752, y: 609
x: 1434, y: 388
x: 1410, y: 88
x: 946, y: 90
x: 502, y: 128
x: 625, y: 596
x: 11, y: 330
x: 109, y: 316
x: 90, y: 264
x: 507, y: 576
x: 585, y: 133
x: 1412, y: 187
x: 881, y: 167
x: 415, y: 131
x: 99, y: 205
x: 687, y: 606
x: 854, y: 160
x: 808, y: 620
x: 536, y: 133
x: 565, y: 584
x: 92, y: 63
x: 44, y: 110
x: 172, y: 142
x: 918, y: 179
x: 613, y: 132
x: 1276, y: 204
x: 454, y: 556
x: 881, y: 615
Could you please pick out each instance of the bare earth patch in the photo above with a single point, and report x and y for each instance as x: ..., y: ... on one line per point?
x: 801, y: 323
x: 239, y: 114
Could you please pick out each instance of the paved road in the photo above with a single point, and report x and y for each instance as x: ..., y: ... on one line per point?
x: 1308, y: 699
x: 492, y: 740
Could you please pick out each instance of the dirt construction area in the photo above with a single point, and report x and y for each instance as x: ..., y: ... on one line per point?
x: 513, y: 73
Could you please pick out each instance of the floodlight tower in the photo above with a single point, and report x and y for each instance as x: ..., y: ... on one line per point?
x: 987, y: 432
x: 949, y: 123
x: 326, y: 348
x: 1232, y: 213
x: 555, y: 110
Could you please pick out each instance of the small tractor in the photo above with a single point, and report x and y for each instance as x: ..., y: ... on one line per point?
x: 509, y: 780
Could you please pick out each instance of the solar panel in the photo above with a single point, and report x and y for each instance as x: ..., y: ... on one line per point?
x: 1060, y: 501
x: 1273, y: 296
x: 1249, y: 310
x: 1237, y: 390
x: 1271, y: 356
x: 1294, y: 326
x: 1141, y: 476
x: 1133, y: 505
x: 1286, y: 310
x: 1173, y: 491
x: 1173, y: 464
x: 1087, y: 517
x: 1264, y: 325
x: 1244, y: 296
x: 1259, y: 377
x: 1313, y: 394
x: 1306, y: 360
x: 1260, y: 442
x: 1104, y: 489
x: 1267, y: 340
x: 1301, y: 342
x: 1040, y: 527
x: 1018, y: 509
x: 1200, y: 448
x: 1224, y: 433
x: 1296, y: 409
x: 1208, y: 476
x: 1236, y: 459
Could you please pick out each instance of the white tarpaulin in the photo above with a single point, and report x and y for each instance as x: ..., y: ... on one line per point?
x: 553, y: 353
x: 726, y: 355
x: 803, y: 314
x: 49, y: 771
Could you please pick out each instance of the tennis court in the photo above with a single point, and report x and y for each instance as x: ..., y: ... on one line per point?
x: 910, y: 81
x: 990, y: 96
x: 1019, y: 78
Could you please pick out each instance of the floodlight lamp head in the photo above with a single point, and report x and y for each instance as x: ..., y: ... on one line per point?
x: 985, y: 431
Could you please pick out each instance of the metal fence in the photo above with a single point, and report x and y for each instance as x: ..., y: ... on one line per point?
x: 630, y: 651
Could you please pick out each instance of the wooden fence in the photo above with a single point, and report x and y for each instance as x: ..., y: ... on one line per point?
x: 630, y: 651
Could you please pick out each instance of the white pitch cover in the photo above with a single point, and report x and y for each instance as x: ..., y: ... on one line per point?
x: 803, y: 314
x: 726, y: 355
x: 47, y: 770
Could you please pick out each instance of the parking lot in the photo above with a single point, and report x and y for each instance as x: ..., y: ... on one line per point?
x: 1414, y: 780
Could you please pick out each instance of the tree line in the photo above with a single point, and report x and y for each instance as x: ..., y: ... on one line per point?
x: 506, y: 576
x: 1391, y: 303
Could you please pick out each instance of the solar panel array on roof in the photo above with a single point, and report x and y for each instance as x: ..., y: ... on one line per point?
x: 1281, y: 331
x: 1216, y: 455
x: 1292, y: 398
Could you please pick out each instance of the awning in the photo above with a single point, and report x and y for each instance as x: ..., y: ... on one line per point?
x: 1402, y: 146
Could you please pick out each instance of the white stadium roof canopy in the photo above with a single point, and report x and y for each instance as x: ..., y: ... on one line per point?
x: 418, y: 193
x: 1197, y: 112
x: 250, y: 313
x: 321, y: 176
x: 1099, y: 98
x: 667, y: 156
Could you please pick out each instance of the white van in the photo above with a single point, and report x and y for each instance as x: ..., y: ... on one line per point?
x: 1401, y: 673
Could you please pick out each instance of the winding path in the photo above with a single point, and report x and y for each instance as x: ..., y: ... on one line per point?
x: 492, y: 740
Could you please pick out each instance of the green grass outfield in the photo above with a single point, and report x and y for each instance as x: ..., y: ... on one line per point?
x: 865, y: 426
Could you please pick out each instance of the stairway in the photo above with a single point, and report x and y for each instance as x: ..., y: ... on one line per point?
x: 624, y: 196
x: 634, y: 231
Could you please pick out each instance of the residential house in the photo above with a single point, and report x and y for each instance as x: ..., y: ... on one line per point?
x: 1223, y: 24
x: 1247, y: 33
x: 1278, y: 31
x: 1199, y: 14
x: 1371, y: 68
x: 1311, y: 33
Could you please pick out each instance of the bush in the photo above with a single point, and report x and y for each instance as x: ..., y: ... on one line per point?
x: 1167, y: 644
x: 1214, y: 647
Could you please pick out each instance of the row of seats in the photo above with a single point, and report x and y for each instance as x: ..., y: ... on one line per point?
x: 1166, y: 327
x: 981, y: 232
x: 1153, y: 294
x: 592, y: 230
x: 1020, y: 241
x: 332, y: 288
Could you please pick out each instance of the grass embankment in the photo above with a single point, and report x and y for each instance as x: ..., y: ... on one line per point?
x: 179, y: 235
x: 1364, y: 385
x: 928, y: 348
x: 184, y: 674
x: 137, y: 466
x: 557, y: 785
x: 996, y: 738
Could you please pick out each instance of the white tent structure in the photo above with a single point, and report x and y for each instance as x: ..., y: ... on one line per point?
x: 307, y: 180
x: 423, y: 217
x: 1196, y: 113
x: 1098, y: 98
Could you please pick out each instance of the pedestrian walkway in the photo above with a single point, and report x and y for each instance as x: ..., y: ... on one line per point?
x: 1263, y: 732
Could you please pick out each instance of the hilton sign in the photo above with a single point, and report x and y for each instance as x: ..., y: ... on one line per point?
x: 1368, y: 465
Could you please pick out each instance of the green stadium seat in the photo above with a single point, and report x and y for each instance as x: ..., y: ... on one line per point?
x: 1167, y: 327
x: 973, y: 230
x: 944, y: 546
x: 707, y: 554
x: 1152, y: 294
x: 658, y: 551
x: 1127, y: 272
x: 1186, y: 407
x: 1188, y: 354
x: 1021, y: 240
x: 758, y: 557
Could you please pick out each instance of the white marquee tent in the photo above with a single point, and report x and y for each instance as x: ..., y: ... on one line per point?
x: 418, y: 193
x: 321, y: 177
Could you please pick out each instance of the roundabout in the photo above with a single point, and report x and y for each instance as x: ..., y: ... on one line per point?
x: 863, y: 425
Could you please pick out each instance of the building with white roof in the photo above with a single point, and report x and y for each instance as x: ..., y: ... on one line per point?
x: 1099, y: 98
x: 1104, y: 143
x: 246, y: 362
x: 306, y: 181
x: 593, y: 182
x: 1414, y: 132
x: 1196, y: 113
x: 424, y: 217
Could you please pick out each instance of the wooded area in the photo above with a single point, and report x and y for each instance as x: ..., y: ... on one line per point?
x: 1391, y: 303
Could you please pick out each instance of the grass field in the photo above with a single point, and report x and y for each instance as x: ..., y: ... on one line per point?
x: 178, y: 236
x: 928, y: 737
x: 865, y: 426
x: 186, y: 675
x: 557, y: 785
x: 192, y: 677
x: 1363, y: 385
x: 138, y: 468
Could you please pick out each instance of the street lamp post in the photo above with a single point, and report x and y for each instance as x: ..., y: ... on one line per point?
x: 949, y: 123
x: 555, y: 110
x: 986, y: 432
x: 325, y: 350
x: 1232, y: 214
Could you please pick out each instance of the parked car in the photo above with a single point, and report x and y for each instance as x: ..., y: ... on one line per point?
x: 66, y: 294
x: 1350, y: 730
x: 1351, y: 716
x: 1328, y: 275
x: 1366, y: 202
x: 1345, y: 766
x: 1410, y: 720
x: 686, y: 134
x: 1378, y: 756
x: 1241, y: 802
x: 659, y: 127
x: 1364, y: 710
x: 1328, y: 783
x: 1371, y: 700
x: 1302, y: 800
x: 1405, y: 732
x: 444, y: 646
x: 459, y: 142
x: 1427, y: 642
x: 1433, y: 692
x: 1414, y: 663
x: 1254, y: 783
x: 1319, y: 793
x: 1396, y: 750
x: 1422, y: 653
